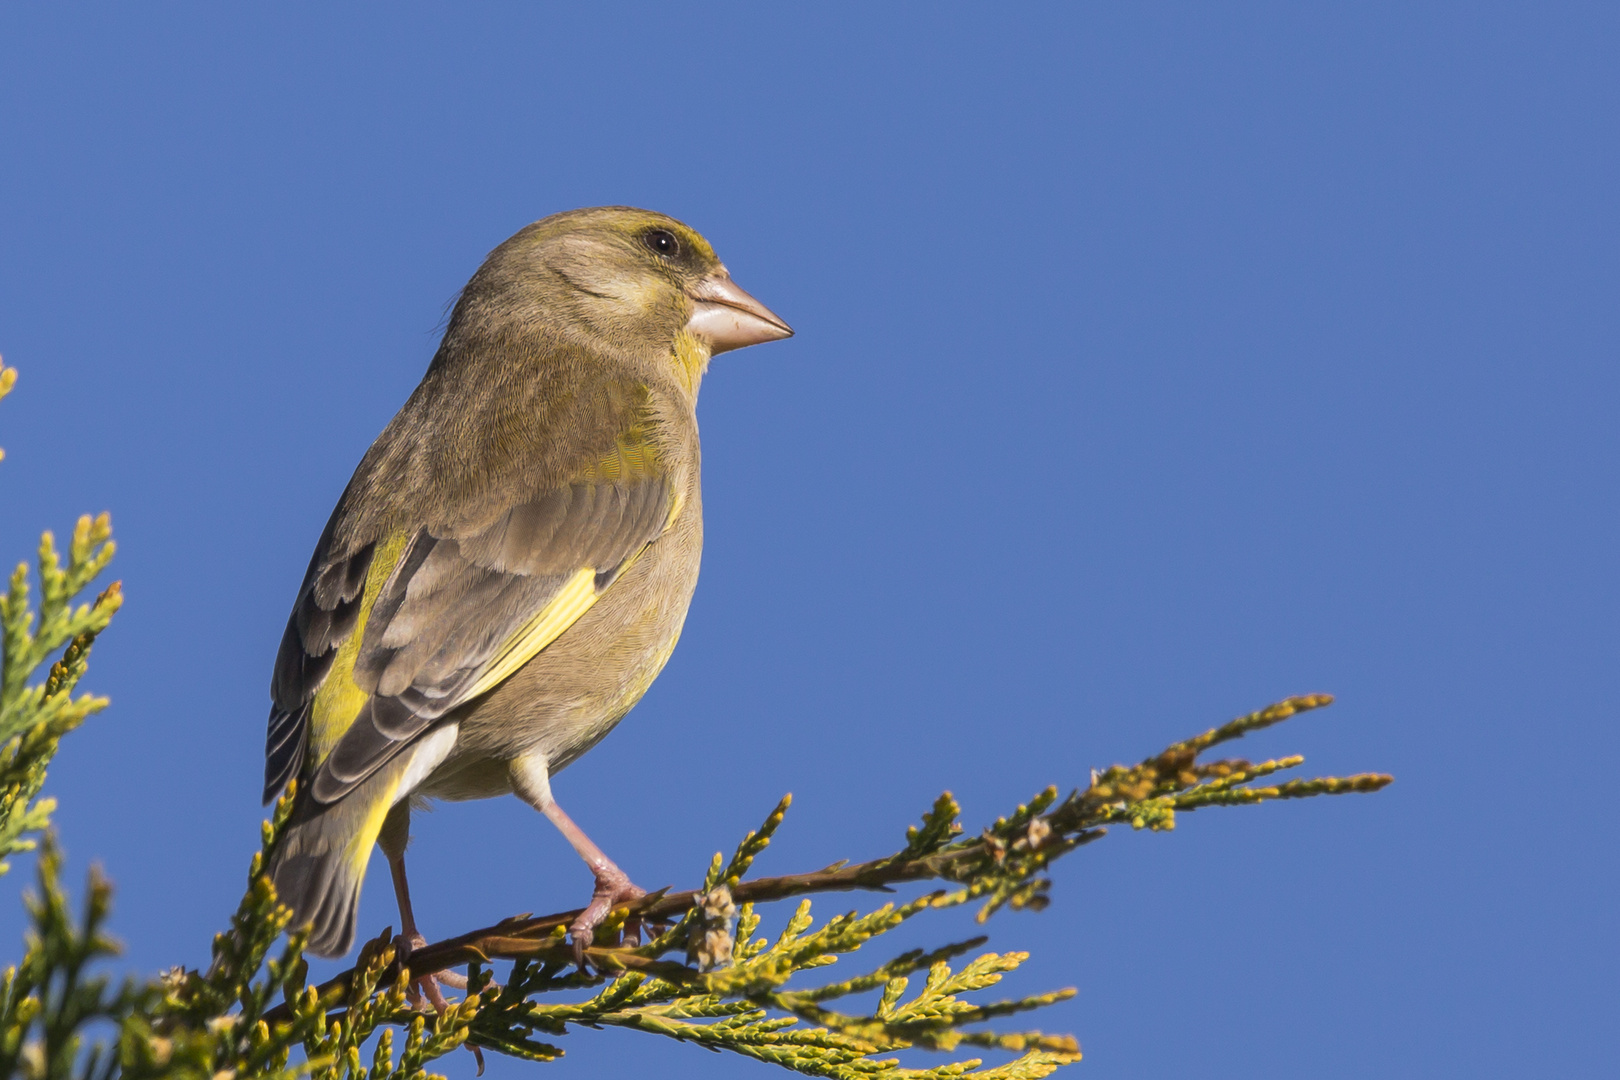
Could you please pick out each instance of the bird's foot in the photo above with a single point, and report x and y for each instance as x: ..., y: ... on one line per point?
x: 424, y: 989
x: 613, y: 887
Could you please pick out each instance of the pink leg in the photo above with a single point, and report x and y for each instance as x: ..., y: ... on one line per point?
x: 531, y: 781
x: 613, y: 886
x: 411, y: 940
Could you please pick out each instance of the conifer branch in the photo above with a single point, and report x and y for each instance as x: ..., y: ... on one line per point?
x: 1001, y: 865
x: 34, y: 718
x: 732, y: 990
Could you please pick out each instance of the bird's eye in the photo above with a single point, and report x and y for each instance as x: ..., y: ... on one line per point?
x: 661, y: 242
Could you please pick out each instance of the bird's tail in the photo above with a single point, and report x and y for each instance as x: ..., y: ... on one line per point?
x: 320, y: 863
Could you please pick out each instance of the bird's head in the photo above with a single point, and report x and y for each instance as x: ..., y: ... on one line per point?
x: 630, y: 279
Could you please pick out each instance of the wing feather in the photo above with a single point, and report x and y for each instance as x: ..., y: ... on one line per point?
x: 326, y: 613
x: 460, y: 614
x: 391, y: 632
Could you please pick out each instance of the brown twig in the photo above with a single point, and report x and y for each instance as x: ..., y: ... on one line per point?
x: 537, y: 937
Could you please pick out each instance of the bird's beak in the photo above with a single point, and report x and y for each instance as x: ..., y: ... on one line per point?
x: 728, y: 318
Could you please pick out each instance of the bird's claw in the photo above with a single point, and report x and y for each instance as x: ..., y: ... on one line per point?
x: 426, y: 987
x: 613, y: 887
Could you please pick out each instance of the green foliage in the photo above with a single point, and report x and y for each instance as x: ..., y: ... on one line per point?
x: 755, y: 996
x: 208, y: 1024
x: 741, y: 1005
x: 34, y: 718
x: 706, y: 976
x: 48, y: 1000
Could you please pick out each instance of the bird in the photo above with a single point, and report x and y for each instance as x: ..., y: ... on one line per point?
x: 512, y: 561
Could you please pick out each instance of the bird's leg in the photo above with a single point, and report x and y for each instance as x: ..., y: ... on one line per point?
x: 531, y: 780
x: 394, y: 836
x: 613, y: 886
x: 410, y: 939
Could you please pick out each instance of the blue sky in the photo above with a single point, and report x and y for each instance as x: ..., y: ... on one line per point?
x: 1154, y: 363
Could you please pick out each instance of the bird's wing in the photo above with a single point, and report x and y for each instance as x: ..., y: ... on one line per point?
x: 388, y: 638
x: 324, y: 619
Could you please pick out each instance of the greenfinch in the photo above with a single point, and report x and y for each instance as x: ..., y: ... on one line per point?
x: 510, y: 565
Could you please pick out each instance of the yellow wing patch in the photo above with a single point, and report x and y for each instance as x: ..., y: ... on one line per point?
x: 339, y: 701
x: 572, y: 600
x: 359, y: 847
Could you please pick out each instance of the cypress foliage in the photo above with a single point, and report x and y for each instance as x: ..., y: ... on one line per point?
x: 691, y: 966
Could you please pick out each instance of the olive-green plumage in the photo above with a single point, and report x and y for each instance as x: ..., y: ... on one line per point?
x: 512, y: 561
